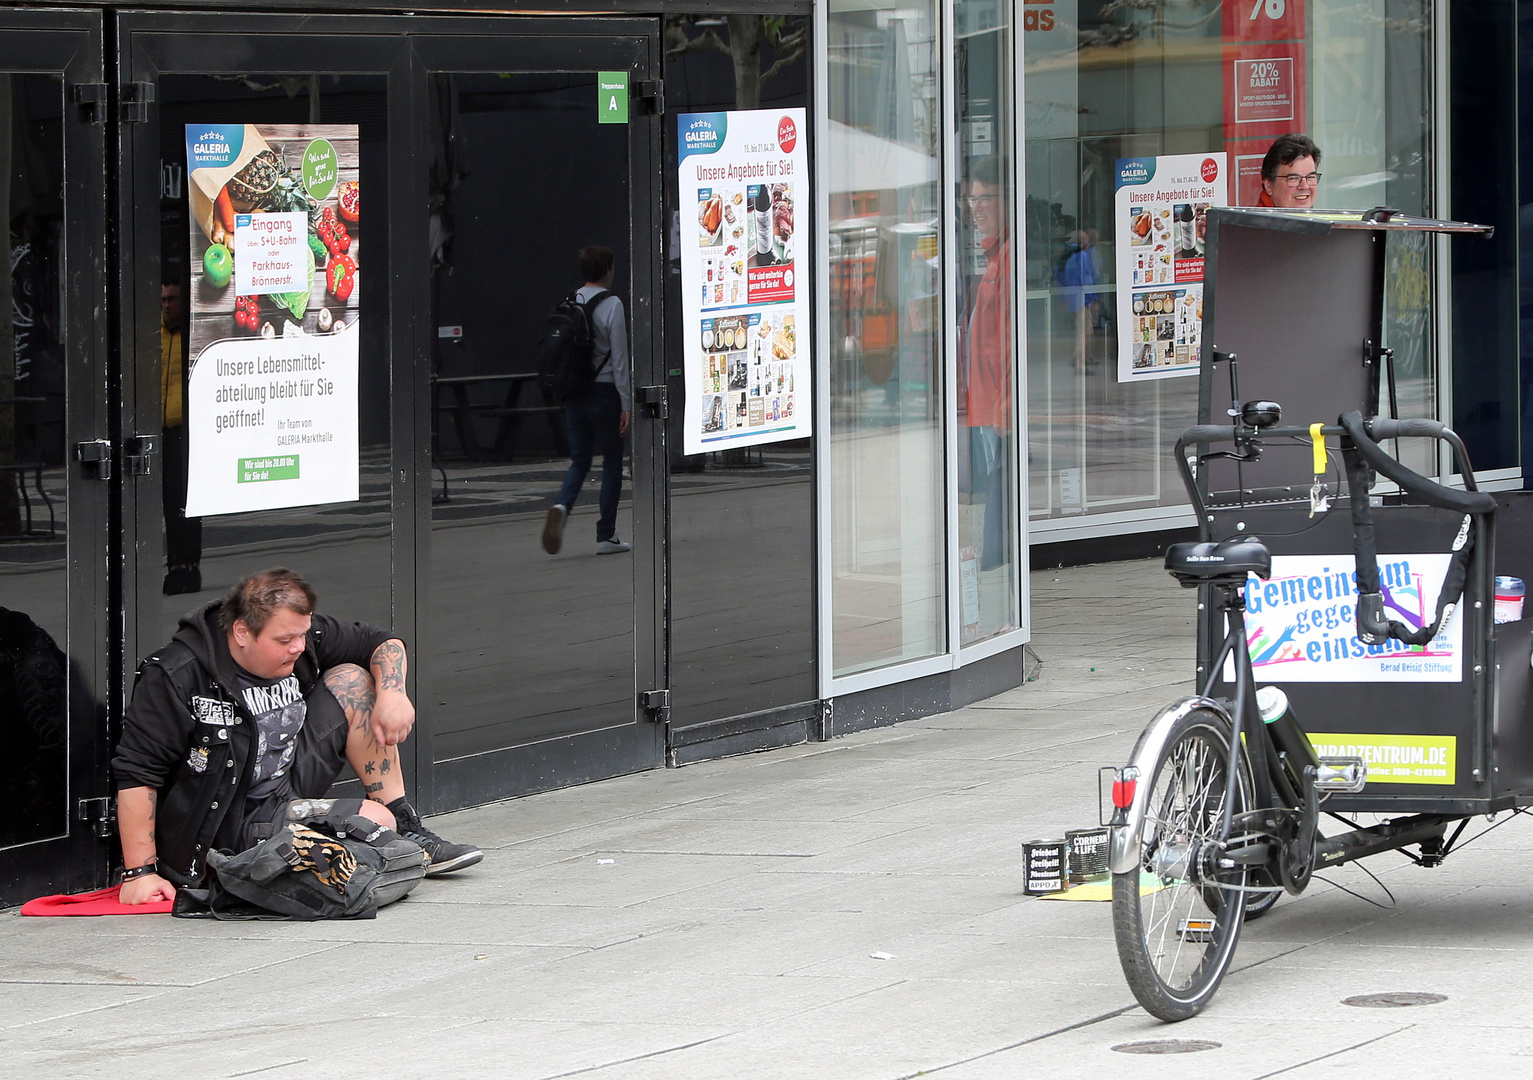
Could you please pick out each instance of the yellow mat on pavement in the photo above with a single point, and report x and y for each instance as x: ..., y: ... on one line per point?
x: 1102, y: 890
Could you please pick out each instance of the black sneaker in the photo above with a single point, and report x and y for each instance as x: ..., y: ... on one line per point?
x: 441, y: 857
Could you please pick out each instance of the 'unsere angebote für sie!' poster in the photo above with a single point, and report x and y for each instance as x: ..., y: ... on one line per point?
x: 744, y: 183
x: 271, y: 398
x: 1161, y: 209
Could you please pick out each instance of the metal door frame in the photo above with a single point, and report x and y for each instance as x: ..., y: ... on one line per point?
x: 68, y: 44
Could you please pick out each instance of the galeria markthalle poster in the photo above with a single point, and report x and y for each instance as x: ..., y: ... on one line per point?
x: 744, y: 184
x: 1161, y: 210
x: 271, y: 403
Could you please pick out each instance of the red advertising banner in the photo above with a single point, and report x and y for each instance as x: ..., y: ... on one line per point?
x: 1263, y: 20
x: 1264, y: 76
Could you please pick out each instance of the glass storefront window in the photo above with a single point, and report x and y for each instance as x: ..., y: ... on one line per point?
x: 1111, y: 81
x: 988, y: 587
x: 885, y: 456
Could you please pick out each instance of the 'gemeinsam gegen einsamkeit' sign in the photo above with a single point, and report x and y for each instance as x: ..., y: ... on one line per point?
x: 1301, y: 623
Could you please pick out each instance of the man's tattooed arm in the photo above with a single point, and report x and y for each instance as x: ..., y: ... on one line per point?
x: 389, y: 665
x: 393, y: 714
x: 137, y: 807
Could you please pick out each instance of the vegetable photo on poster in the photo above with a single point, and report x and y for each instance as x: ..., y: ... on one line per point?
x: 273, y: 315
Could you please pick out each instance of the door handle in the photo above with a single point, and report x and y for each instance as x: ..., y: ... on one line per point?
x: 138, y: 455
x: 653, y: 400
x: 97, y: 453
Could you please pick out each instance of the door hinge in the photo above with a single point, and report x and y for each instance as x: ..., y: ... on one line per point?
x: 653, y: 400
x: 138, y: 455
x: 96, y: 453
x: 136, y: 99
x: 657, y: 704
x: 652, y: 94
x: 102, y: 813
x: 91, y: 97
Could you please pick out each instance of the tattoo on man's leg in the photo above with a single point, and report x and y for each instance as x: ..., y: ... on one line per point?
x: 369, y: 767
x: 371, y: 789
x: 352, y: 687
x: 385, y: 766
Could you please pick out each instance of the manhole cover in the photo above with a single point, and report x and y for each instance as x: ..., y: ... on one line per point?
x: 1167, y: 1046
x: 1393, y: 1001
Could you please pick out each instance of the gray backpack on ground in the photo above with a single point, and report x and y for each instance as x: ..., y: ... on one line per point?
x: 326, y: 868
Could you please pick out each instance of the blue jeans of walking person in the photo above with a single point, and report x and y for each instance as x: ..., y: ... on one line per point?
x: 593, y: 420
x: 991, y: 449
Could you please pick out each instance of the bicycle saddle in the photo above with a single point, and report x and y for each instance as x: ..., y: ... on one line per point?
x: 1206, y: 562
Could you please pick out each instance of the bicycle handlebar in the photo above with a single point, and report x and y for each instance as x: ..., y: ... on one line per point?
x: 1362, y: 453
x: 1430, y: 491
x: 1383, y: 427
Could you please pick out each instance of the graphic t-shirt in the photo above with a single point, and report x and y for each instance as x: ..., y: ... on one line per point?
x: 279, y: 711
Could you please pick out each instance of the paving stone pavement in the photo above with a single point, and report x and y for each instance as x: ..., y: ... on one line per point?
x: 850, y: 909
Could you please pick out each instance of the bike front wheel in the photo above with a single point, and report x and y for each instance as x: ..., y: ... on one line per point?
x: 1176, y: 916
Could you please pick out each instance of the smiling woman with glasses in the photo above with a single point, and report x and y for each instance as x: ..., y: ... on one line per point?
x: 1290, y: 179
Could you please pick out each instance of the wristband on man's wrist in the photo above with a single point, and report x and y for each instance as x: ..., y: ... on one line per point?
x: 150, y: 867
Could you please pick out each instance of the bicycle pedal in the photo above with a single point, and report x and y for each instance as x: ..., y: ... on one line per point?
x: 1343, y: 774
x: 1196, y: 930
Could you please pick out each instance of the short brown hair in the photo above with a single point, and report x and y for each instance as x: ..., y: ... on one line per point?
x: 595, y: 262
x: 256, y: 598
x: 1285, y: 150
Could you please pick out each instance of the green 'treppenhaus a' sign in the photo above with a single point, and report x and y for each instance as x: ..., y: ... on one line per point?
x: 612, y: 97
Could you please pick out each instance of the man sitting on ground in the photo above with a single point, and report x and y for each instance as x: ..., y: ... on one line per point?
x: 243, y: 722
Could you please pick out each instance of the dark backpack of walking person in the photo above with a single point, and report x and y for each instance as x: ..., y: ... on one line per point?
x: 565, y: 370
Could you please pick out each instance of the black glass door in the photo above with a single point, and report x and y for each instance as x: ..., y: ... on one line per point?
x: 54, y: 683
x: 540, y: 143
x: 267, y: 339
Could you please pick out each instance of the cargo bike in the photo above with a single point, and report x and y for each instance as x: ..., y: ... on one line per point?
x: 1349, y: 661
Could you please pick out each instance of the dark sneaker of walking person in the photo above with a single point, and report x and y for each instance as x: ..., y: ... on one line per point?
x: 553, y: 529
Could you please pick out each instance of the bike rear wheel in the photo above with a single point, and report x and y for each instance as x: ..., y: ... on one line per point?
x: 1177, y: 918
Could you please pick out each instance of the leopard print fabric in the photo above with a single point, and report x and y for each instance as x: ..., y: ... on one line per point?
x: 323, y: 856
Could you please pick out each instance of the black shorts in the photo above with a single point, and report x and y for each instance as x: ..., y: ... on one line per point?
x: 319, y: 755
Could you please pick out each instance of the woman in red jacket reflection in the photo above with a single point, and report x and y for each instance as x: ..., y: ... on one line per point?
x: 988, y: 401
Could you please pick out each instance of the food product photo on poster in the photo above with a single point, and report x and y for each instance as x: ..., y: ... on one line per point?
x: 1161, y: 214
x: 272, y: 337
x: 745, y: 291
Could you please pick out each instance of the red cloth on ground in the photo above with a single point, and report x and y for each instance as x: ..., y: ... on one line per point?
x: 100, y: 902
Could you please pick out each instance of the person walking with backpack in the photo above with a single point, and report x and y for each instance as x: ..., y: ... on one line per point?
x: 597, y: 415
